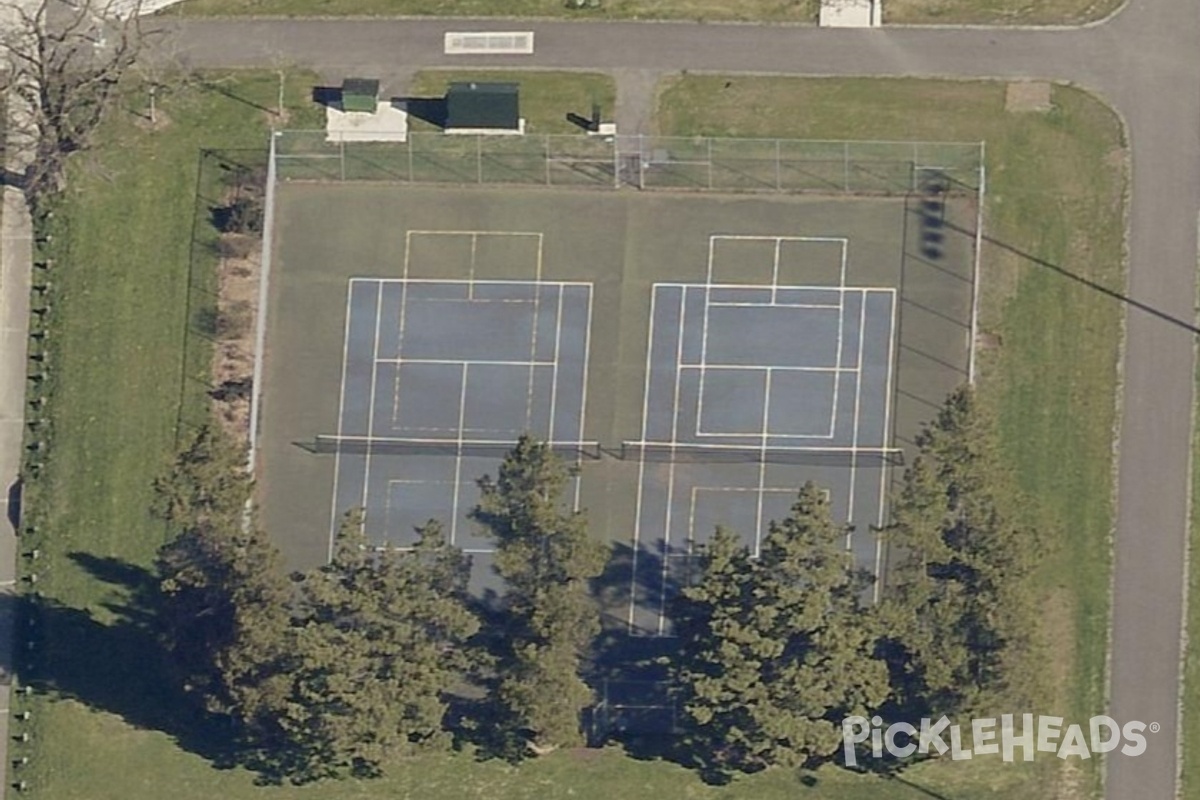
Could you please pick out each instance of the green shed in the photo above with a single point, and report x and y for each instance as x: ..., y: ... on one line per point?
x: 360, y: 94
x: 483, y: 105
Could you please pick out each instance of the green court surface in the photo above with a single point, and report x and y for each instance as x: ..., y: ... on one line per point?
x: 822, y: 330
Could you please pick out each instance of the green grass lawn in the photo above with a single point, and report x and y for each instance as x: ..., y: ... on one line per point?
x: 1056, y: 185
x: 1191, y: 674
x: 996, y: 12
x: 104, y: 728
x: 546, y: 97
x: 993, y: 12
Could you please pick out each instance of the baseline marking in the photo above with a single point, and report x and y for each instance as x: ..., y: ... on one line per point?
x: 883, y: 473
x: 662, y: 604
x: 371, y: 400
x: 458, y: 454
x: 583, y: 384
x: 337, y: 457
x: 637, y: 508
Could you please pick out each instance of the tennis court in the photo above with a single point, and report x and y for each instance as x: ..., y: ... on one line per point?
x: 752, y: 389
x: 699, y: 357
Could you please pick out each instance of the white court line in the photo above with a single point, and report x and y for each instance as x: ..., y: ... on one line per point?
x: 471, y: 267
x: 762, y: 287
x: 772, y: 304
x: 505, y: 282
x: 458, y: 455
x: 371, y: 401
x: 775, y: 273
x: 431, y: 232
x: 583, y: 387
x: 862, y: 324
x: 762, y: 464
x: 737, y: 237
x: 652, y: 444
x: 883, y: 472
x: 761, y: 367
x: 399, y: 350
x: 841, y: 330
x: 537, y: 319
x: 558, y: 326
x: 637, y: 507
x: 458, y: 362
x: 337, y: 457
x: 696, y: 490
x: 662, y: 605
x: 475, y: 301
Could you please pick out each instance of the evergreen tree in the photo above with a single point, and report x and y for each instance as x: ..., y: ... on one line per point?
x: 378, y: 638
x: 958, y: 605
x: 223, y: 616
x: 777, y: 650
x: 547, y: 558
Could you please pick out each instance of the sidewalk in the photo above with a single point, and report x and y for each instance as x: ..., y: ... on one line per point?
x: 16, y: 263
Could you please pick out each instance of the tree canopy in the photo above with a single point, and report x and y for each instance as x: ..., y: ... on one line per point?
x: 776, y: 650
x: 547, y: 558
x: 959, y: 607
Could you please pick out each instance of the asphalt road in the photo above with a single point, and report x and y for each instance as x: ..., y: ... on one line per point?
x: 1145, y: 61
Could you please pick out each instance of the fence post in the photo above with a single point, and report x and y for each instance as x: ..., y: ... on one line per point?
x: 409, y: 144
x: 342, y: 157
x: 846, y: 167
x: 710, y: 170
x: 479, y: 158
x: 641, y: 162
x: 915, y: 162
x: 616, y: 155
x: 778, y: 167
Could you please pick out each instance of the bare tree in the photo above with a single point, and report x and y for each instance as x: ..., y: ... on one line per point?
x: 63, y: 61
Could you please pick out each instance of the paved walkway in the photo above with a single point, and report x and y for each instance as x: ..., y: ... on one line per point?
x: 1145, y: 61
x: 15, y: 265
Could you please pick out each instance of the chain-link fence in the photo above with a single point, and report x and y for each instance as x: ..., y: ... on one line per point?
x: 646, y: 162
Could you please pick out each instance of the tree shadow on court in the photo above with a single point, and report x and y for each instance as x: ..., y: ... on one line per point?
x: 110, y: 659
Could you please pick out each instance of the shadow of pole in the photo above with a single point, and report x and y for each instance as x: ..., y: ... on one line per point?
x: 910, y: 785
x: 1190, y: 327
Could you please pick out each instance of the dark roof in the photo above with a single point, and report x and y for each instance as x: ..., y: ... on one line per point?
x: 359, y: 94
x: 483, y: 105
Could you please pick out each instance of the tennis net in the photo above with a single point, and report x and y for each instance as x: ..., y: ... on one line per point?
x: 687, y: 452
x: 385, y: 445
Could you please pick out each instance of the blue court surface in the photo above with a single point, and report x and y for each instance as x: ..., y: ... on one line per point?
x: 750, y: 392
x: 439, y: 379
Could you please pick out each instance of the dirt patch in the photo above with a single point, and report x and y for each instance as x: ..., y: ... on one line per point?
x: 1028, y: 96
x: 233, y: 357
x: 160, y: 122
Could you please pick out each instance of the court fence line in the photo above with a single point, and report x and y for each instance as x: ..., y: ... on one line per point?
x: 264, y: 283
x: 699, y: 163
